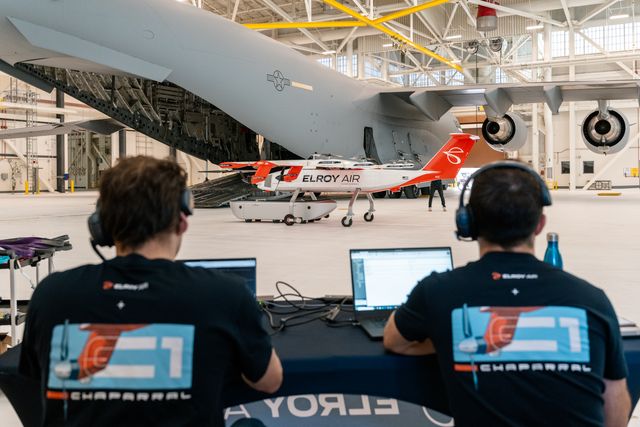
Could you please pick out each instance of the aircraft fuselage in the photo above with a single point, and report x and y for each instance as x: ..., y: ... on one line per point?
x: 322, y: 180
x: 289, y: 98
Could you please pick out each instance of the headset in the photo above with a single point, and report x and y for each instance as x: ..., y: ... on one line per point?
x: 100, y: 238
x: 465, y: 224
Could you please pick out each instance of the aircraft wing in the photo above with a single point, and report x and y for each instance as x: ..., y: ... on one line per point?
x: 102, y: 126
x: 497, y: 99
x: 256, y: 164
x: 264, y: 167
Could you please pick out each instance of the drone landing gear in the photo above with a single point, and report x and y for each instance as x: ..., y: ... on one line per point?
x: 347, y: 221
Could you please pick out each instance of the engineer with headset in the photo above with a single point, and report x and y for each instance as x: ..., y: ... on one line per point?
x: 519, y: 342
x: 141, y: 339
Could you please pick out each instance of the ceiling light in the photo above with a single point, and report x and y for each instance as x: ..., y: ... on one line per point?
x: 619, y: 16
x: 535, y: 27
x: 454, y: 37
x: 387, y: 45
x: 328, y: 52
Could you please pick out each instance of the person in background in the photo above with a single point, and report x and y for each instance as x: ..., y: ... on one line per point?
x: 519, y: 342
x: 142, y: 340
x: 433, y: 187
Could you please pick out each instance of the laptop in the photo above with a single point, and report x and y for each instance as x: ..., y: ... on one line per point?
x: 244, y: 268
x: 383, y: 278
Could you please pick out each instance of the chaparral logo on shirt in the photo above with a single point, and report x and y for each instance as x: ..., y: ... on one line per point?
x: 520, y: 338
x: 108, y: 285
x: 121, y: 361
x: 496, y: 276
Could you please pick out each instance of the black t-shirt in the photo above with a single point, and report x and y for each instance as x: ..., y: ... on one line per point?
x: 519, y: 342
x: 134, y: 341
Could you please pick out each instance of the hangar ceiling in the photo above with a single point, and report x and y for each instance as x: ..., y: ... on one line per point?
x: 596, y: 36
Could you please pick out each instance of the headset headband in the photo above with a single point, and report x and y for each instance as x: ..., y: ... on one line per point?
x: 465, y: 226
x: 100, y: 238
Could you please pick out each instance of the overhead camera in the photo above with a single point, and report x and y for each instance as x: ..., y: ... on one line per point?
x: 495, y: 44
x: 471, y: 46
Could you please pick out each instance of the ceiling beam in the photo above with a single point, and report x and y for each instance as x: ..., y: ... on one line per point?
x: 409, y: 11
x: 628, y: 70
x: 297, y: 24
x: 416, y: 32
x: 330, y: 24
x: 620, y: 64
x: 308, y: 6
x: 567, y: 14
x: 591, y: 41
x: 288, y: 18
x: 235, y: 10
x: 465, y: 7
x: 400, y: 38
x: 597, y: 11
x: 516, y: 46
x: 346, y: 40
x: 453, y: 14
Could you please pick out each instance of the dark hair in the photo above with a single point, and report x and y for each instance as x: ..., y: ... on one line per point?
x: 506, y: 205
x: 139, y: 198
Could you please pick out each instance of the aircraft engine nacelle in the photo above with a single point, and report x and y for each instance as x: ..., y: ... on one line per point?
x: 605, y: 133
x: 507, y: 133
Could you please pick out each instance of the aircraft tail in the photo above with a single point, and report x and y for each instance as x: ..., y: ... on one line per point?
x: 451, y: 157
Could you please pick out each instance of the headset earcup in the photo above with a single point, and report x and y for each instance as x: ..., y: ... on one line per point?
x: 186, y: 202
x: 546, y: 194
x: 97, y: 233
x: 463, y: 224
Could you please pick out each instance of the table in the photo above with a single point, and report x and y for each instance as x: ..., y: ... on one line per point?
x: 319, y: 359
x: 12, y: 265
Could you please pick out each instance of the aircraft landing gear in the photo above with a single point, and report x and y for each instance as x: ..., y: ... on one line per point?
x: 289, y: 219
x: 411, y: 192
x: 369, y: 215
x: 347, y: 221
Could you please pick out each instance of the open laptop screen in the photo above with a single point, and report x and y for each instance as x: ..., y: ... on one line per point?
x: 245, y: 268
x: 383, y: 278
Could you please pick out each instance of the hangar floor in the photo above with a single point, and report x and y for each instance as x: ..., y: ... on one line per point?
x: 598, y: 241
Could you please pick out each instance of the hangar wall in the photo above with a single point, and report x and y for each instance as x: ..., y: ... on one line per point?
x: 13, y: 172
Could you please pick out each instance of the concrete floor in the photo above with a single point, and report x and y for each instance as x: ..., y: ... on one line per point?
x: 598, y: 241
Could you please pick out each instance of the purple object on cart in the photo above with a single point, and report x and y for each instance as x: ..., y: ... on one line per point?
x: 28, y: 247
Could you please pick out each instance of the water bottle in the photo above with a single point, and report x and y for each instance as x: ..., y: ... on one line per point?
x: 552, y: 254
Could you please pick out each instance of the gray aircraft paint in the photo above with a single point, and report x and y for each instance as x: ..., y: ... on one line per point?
x: 224, y: 63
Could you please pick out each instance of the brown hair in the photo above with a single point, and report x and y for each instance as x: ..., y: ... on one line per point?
x: 506, y: 205
x: 139, y: 198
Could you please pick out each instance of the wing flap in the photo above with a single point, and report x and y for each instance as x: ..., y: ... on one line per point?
x: 104, y: 127
x: 499, y: 98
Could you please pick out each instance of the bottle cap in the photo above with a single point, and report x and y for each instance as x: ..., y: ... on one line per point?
x: 552, y: 237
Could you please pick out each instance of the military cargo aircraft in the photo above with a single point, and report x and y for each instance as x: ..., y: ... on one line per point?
x: 279, y: 93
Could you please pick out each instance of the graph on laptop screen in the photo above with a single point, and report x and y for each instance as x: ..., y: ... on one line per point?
x: 383, y: 278
x: 245, y: 268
